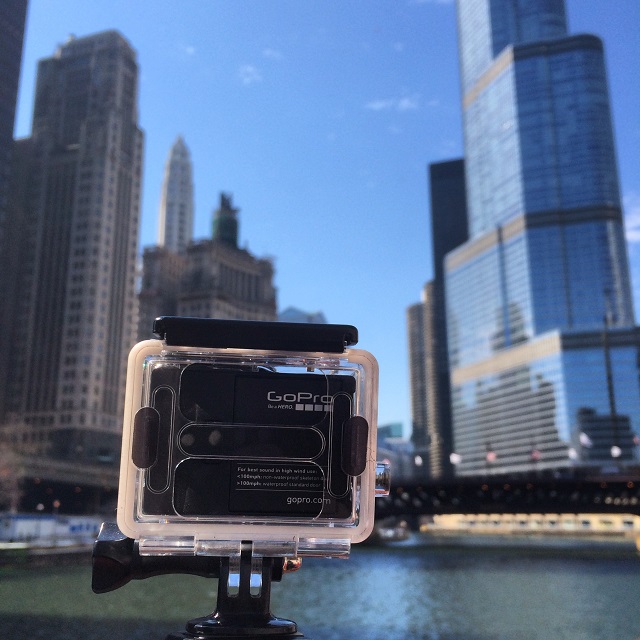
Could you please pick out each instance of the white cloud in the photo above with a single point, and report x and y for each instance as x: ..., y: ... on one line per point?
x: 248, y: 75
x: 407, y: 104
x: 380, y: 105
x: 272, y: 54
x: 632, y: 217
x: 393, y: 104
x: 431, y: 1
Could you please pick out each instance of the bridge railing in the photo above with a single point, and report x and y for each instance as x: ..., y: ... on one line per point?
x: 482, y: 495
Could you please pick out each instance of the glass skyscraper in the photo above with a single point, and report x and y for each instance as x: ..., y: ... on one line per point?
x: 542, y: 345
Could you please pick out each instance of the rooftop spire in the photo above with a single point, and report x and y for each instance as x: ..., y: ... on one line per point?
x: 225, y: 222
x: 175, y: 230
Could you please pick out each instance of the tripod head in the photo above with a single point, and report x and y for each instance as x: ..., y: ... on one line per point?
x: 244, y: 586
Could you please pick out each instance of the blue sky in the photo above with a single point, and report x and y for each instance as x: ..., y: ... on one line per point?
x: 320, y: 117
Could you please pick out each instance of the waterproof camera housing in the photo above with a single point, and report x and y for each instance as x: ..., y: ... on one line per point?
x: 248, y: 431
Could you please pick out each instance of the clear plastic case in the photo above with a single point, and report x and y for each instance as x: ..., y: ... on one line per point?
x: 224, y: 445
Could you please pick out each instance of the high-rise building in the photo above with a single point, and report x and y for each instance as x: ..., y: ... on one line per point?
x: 12, y: 21
x: 430, y: 394
x: 175, y: 230
x: 12, y: 18
x: 223, y: 280
x: 293, y: 314
x: 73, y: 303
x: 162, y: 273
x: 417, y: 374
x: 164, y: 265
x: 449, y: 230
x: 212, y: 278
x: 449, y: 224
x: 539, y: 310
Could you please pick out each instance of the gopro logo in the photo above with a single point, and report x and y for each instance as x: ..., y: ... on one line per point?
x: 301, y: 401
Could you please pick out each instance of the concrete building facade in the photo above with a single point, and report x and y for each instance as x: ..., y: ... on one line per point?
x: 175, y: 228
x: 75, y: 209
x: 211, y: 278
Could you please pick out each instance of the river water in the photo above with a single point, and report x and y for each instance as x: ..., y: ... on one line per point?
x: 423, y: 589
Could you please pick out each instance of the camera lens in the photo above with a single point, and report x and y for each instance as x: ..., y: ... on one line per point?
x: 187, y: 439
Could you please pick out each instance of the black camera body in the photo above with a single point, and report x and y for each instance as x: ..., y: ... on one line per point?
x: 225, y: 443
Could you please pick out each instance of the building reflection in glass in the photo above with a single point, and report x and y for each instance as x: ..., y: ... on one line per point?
x: 545, y: 406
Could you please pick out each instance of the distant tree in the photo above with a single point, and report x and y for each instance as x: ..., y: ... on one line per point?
x: 10, y: 465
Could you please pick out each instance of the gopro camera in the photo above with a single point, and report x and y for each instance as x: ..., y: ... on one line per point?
x: 248, y: 431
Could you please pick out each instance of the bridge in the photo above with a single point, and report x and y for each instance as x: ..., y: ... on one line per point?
x: 508, y: 495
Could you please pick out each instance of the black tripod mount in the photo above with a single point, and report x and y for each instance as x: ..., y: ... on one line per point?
x: 243, y: 606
